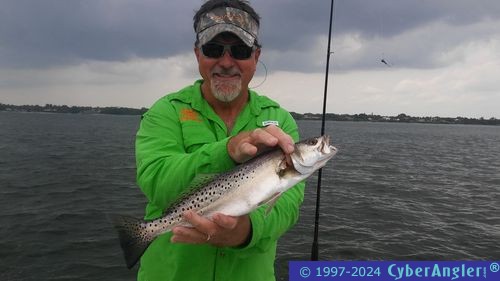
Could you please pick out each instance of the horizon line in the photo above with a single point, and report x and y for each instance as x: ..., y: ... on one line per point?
x: 303, y: 113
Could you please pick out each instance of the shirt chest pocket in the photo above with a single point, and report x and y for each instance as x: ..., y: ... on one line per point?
x: 196, y: 135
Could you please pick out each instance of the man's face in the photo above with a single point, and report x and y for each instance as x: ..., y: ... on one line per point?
x: 226, y: 77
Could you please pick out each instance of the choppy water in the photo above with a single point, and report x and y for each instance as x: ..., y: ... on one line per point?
x: 394, y: 191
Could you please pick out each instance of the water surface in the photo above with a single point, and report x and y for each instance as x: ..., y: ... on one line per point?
x: 394, y: 192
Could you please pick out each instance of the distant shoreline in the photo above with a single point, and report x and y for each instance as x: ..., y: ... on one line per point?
x: 50, y: 108
x: 401, y: 118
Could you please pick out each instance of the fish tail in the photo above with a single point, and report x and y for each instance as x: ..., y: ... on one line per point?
x: 134, y: 237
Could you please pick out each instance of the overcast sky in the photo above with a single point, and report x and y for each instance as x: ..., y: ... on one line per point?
x: 444, y: 55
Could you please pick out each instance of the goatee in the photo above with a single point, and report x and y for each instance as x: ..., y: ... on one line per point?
x: 225, y: 90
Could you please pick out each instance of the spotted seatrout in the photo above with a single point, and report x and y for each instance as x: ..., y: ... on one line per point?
x: 237, y: 192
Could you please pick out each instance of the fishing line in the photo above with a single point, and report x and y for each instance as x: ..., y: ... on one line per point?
x: 315, y: 246
x: 265, y: 76
x: 383, y: 59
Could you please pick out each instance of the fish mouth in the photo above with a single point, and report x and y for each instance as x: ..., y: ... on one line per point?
x: 326, y: 142
x: 325, y: 145
x: 327, y: 150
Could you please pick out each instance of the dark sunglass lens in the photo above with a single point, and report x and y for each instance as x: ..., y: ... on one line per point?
x: 241, y: 52
x: 212, y: 50
x: 215, y: 51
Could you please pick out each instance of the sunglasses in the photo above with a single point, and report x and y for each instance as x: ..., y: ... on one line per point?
x: 215, y: 51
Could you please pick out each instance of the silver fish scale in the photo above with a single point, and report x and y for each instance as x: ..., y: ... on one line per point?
x: 221, y: 185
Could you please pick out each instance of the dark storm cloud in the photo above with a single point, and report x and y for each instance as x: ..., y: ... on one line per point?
x: 291, y: 20
x: 295, y: 25
x: 45, y: 33
x: 56, y: 32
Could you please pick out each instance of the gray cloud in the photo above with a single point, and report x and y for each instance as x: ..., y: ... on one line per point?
x: 385, y: 29
x: 38, y: 34
x: 48, y: 33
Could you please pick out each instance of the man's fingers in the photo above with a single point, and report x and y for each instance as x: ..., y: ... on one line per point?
x: 248, y: 144
x: 188, y: 235
x: 248, y: 149
x: 263, y: 137
x: 201, y: 232
x: 282, y: 139
x: 200, y: 223
x: 224, y: 221
x: 222, y: 231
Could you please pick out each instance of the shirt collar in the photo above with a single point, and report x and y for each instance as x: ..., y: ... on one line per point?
x: 256, y: 102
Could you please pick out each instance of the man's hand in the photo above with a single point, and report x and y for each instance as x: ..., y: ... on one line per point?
x: 221, y: 231
x: 246, y: 145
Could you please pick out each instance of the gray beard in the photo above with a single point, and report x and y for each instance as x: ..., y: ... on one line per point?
x: 225, y: 91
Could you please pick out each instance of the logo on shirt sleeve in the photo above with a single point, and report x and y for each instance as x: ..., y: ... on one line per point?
x: 188, y: 114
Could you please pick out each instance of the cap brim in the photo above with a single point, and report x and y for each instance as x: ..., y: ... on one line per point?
x: 208, y: 34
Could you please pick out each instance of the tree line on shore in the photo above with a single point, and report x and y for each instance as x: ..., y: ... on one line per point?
x: 399, y: 118
x: 50, y: 108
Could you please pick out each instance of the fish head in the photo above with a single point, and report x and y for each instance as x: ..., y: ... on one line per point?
x: 312, y: 154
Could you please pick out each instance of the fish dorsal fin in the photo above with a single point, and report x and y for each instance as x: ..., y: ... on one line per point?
x: 200, y: 180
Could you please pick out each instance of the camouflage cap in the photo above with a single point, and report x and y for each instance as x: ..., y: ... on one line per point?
x: 227, y: 19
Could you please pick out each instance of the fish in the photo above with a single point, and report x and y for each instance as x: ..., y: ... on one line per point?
x: 257, y: 182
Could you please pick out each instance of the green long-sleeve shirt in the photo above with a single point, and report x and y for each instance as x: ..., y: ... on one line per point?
x: 180, y: 137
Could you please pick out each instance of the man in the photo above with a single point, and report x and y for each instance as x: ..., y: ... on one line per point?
x: 206, y: 128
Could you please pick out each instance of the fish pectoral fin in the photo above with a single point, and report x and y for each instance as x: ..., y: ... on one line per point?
x: 270, y: 202
x: 285, y: 164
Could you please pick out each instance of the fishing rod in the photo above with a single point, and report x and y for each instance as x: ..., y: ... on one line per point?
x: 314, y: 250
